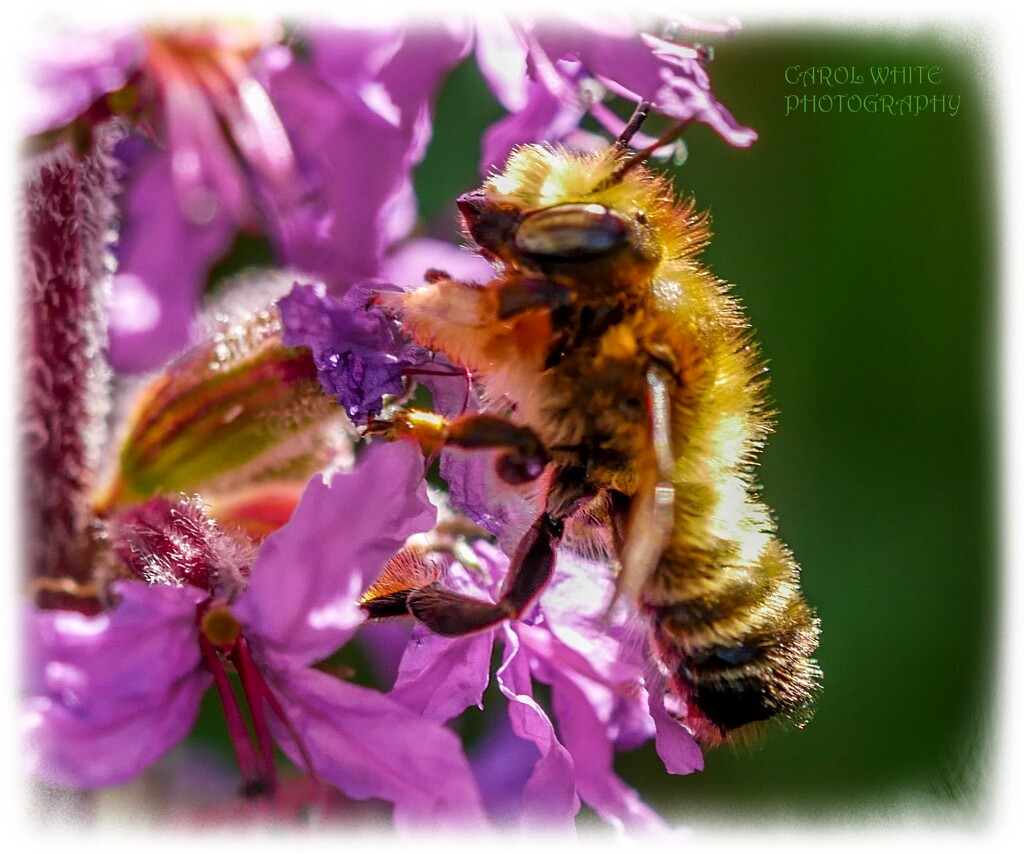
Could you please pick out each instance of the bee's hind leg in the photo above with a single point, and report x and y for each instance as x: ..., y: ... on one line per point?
x: 446, y: 612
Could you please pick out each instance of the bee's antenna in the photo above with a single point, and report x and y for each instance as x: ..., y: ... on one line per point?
x: 670, y: 135
x: 633, y: 125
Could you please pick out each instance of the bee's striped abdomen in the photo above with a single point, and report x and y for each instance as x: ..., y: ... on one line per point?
x: 738, y: 646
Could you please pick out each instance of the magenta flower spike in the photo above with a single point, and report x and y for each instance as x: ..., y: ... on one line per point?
x: 111, y: 693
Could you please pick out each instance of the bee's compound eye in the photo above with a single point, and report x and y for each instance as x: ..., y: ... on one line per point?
x: 572, y: 231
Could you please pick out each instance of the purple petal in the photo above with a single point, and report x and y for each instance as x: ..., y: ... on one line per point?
x: 581, y: 637
x: 450, y: 387
x: 336, y: 229
x: 409, y: 63
x: 686, y: 95
x: 406, y: 264
x: 69, y: 71
x: 674, y: 744
x: 549, y: 797
x: 360, y: 353
x: 308, y: 576
x: 109, y: 694
x: 208, y: 178
x: 617, y: 698
x: 494, y: 568
x: 309, y: 316
x: 372, y: 747
x: 413, y: 76
x: 575, y: 606
x: 352, y: 54
x: 384, y: 642
x: 442, y: 677
x: 359, y: 117
x: 502, y: 763
x: 476, y: 490
x: 586, y: 739
x: 163, y: 260
x: 643, y: 67
x: 607, y: 45
x: 544, y: 116
x: 501, y: 54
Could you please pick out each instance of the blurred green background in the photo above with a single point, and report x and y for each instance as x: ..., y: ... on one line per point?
x: 864, y: 248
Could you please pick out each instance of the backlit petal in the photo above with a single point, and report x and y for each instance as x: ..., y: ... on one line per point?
x: 107, y: 695
x: 305, y: 584
x: 372, y: 747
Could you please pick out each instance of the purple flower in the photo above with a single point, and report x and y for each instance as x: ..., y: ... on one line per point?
x: 109, y: 694
x: 318, y: 155
x: 361, y: 352
x: 360, y: 117
x: 221, y: 147
x: 69, y: 73
x: 594, y: 665
x: 407, y: 263
x: 550, y: 74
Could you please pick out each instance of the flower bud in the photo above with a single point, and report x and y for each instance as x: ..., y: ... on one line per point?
x: 240, y: 410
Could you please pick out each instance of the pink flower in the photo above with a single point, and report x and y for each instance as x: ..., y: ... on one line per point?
x: 549, y: 74
x: 314, y: 152
x: 71, y: 74
x: 594, y: 666
x: 109, y: 694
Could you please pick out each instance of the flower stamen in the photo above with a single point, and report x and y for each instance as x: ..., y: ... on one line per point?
x: 254, y: 778
x: 220, y: 638
x: 252, y: 686
x: 256, y: 692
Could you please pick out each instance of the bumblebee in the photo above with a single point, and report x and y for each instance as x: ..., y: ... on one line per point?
x: 621, y: 377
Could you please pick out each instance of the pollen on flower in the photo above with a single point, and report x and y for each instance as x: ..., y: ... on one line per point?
x: 410, y: 569
x: 220, y: 627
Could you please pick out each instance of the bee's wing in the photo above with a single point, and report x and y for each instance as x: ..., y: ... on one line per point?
x: 652, y: 512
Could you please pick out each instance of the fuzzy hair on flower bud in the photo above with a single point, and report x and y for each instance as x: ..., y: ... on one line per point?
x: 176, y: 542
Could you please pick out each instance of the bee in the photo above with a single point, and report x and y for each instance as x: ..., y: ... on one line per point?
x: 621, y: 375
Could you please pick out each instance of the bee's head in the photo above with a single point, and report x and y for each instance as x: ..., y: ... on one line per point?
x: 564, y: 214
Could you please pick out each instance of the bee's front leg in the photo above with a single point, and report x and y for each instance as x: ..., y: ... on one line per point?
x: 518, y: 295
x: 476, y: 324
x: 524, y: 456
x: 446, y: 612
